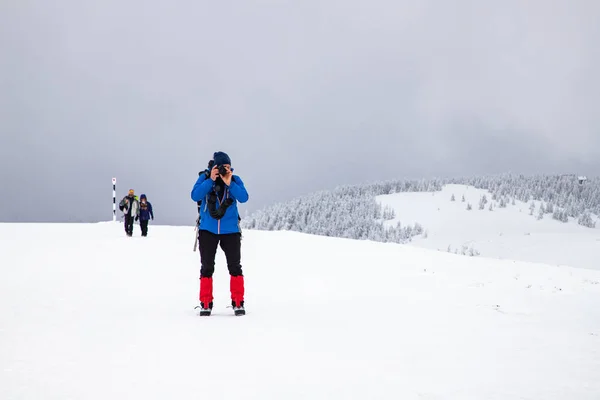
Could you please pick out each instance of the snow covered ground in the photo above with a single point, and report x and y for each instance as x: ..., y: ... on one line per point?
x: 505, y: 233
x: 86, y: 313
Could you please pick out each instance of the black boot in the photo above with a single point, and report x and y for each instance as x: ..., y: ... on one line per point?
x: 204, y: 310
x: 238, y: 309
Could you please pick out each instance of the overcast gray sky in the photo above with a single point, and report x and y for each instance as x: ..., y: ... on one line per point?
x: 303, y: 95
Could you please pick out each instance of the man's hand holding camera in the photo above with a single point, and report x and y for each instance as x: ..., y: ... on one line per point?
x: 223, y: 171
x: 214, y: 173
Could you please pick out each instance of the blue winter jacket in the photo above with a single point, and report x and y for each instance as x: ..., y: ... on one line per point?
x: 229, y: 223
x: 146, y: 211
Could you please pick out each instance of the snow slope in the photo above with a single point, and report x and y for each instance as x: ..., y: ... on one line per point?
x: 87, y: 313
x: 505, y: 233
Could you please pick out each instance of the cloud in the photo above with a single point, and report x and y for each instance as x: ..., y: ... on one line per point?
x: 303, y: 95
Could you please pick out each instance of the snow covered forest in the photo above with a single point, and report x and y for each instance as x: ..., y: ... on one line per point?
x: 352, y: 212
x: 563, y: 196
x: 346, y: 211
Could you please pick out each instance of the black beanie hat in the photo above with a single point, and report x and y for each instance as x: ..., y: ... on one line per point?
x: 221, y: 158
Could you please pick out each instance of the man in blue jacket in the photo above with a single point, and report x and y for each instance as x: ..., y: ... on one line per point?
x: 220, y: 190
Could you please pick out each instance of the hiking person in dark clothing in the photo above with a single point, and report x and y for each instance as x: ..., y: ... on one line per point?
x: 130, y: 206
x: 220, y: 191
x: 145, y: 214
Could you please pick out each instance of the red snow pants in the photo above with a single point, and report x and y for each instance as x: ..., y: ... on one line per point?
x: 231, y: 245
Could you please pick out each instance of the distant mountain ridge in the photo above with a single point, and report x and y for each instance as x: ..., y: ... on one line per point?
x: 351, y: 211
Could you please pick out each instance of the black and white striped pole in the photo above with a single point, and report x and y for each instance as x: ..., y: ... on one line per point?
x: 114, y: 182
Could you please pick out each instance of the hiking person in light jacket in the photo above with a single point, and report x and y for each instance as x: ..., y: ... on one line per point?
x: 130, y: 207
x: 220, y: 191
x: 146, y: 214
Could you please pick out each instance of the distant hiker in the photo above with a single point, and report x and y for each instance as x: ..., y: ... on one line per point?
x: 145, y: 214
x: 130, y: 207
x: 220, y: 191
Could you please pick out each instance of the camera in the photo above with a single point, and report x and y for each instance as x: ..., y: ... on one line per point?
x: 222, y: 170
x: 211, y: 164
